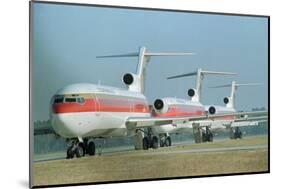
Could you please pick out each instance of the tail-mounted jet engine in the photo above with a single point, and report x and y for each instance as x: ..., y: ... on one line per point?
x: 160, y: 106
x: 191, y: 92
x: 129, y: 78
x: 226, y: 100
x: 132, y: 81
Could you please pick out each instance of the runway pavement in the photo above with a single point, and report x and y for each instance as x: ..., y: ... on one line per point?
x: 209, y: 150
x: 177, y: 148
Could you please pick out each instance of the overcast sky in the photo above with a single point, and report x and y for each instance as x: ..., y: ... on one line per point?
x: 67, y: 39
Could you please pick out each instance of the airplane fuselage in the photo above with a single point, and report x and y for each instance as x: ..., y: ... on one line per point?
x: 83, y: 110
x: 218, y: 126
x: 88, y: 110
x: 180, y: 108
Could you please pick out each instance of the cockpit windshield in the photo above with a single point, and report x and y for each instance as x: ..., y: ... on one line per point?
x: 70, y: 99
x: 58, y: 100
x: 62, y: 99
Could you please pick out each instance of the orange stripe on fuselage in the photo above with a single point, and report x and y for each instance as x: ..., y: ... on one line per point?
x: 102, y: 105
x: 178, y: 111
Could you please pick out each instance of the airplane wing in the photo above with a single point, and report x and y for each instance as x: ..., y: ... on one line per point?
x: 248, y: 121
x: 137, y: 122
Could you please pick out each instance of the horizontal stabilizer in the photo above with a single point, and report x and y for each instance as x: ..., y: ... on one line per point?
x: 237, y: 85
x: 169, y: 54
x: 136, y: 54
x: 202, y: 72
x: 120, y: 55
x: 144, y: 57
x: 182, y: 75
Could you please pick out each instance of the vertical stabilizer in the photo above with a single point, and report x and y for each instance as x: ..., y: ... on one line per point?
x: 136, y: 81
x: 196, y: 94
x: 230, y: 101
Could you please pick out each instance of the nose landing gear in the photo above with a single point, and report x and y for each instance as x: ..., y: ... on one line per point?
x: 80, y: 149
x: 165, y: 140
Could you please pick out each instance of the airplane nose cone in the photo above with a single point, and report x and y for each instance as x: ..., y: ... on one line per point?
x: 61, y: 126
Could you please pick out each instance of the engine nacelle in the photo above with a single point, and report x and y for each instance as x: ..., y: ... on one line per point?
x: 191, y: 92
x: 160, y: 106
x: 226, y: 100
x: 212, y: 110
x: 129, y: 78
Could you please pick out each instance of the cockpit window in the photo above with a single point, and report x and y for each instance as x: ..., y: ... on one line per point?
x: 62, y: 99
x: 70, y: 100
x: 80, y: 100
x: 58, y: 100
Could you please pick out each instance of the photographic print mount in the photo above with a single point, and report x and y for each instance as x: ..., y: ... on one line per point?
x: 137, y: 123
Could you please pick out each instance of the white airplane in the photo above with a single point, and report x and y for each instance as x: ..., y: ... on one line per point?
x: 229, y: 108
x: 176, y: 107
x: 86, y: 111
x: 83, y: 112
x: 204, y: 132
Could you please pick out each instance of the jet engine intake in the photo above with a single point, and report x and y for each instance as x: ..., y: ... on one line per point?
x: 160, y: 106
x: 212, y: 110
x: 191, y: 92
x: 128, y: 78
x: 226, y: 100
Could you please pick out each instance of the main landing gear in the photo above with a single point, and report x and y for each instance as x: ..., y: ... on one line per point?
x: 150, y: 141
x: 80, y: 149
x: 235, y: 133
x: 207, y: 135
x: 201, y: 135
x: 165, y: 140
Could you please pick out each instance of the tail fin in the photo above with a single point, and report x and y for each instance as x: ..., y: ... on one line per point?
x: 200, y: 76
x: 230, y: 101
x: 143, y: 58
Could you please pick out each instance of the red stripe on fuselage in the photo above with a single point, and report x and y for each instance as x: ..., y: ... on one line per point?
x: 188, y: 111
x: 102, y: 105
x: 178, y: 111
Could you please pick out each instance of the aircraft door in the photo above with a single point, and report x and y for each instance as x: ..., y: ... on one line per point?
x: 132, y: 105
x: 96, y: 103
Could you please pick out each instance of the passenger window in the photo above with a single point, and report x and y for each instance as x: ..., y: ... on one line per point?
x: 81, y: 100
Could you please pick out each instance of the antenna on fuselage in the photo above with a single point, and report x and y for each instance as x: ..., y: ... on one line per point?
x: 136, y: 82
x: 196, y: 94
x: 230, y: 101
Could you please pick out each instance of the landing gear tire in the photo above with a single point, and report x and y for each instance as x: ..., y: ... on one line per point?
x: 145, y: 143
x: 204, y: 137
x: 168, y: 141
x: 162, y: 143
x: 91, y: 149
x: 154, y: 142
x: 236, y: 133
x: 211, y: 137
x: 207, y: 136
x: 79, y: 150
x: 240, y: 135
x: 70, y: 153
